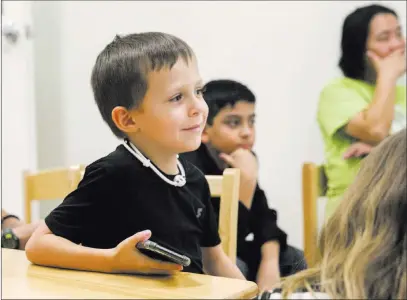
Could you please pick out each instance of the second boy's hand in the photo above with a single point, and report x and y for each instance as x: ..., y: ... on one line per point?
x: 247, y: 163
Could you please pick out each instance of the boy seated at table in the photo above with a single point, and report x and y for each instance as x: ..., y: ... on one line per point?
x: 149, y: 91
x: 263, y: 253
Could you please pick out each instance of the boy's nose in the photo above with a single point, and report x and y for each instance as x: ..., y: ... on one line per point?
x: 246, y: 131
x: 199, y: 106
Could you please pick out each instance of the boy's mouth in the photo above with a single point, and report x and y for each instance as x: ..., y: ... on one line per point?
x: 196, y: 127
x: 246, y: 146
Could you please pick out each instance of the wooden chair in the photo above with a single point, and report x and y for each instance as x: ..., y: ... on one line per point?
x: 226, y: 187
x: 50, y: 184
x: 314, y: 186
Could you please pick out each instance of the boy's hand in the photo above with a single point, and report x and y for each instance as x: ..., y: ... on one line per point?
x: 244, y: 160
x: 269, y: 270
x: 268, y: 275
x: 126, y: 258
x: 357, y: 149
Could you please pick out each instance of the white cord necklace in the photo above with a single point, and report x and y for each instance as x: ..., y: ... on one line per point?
x: 179, y: 180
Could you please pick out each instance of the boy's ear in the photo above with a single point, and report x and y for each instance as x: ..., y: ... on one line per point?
x: 205, y: 135
x: 124, y: 120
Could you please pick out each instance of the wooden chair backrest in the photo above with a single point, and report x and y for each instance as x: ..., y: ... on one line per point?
x: 314, y: 186
x: 226, y: 187
x: 52, y: 184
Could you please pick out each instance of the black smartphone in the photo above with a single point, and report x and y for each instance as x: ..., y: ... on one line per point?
x: 156, y: 251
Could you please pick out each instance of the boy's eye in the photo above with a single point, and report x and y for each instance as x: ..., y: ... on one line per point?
x: 176, y: 98
x: 200, y: 91
x: 232, y: 123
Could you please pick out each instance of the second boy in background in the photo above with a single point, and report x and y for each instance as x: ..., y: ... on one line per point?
x: 263, y: 253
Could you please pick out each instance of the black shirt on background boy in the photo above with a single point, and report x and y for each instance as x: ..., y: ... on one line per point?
x: 260, y: 220
x: 119, y: 197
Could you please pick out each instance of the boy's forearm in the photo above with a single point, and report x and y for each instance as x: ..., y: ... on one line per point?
x: 270, y: 251
x: 54, y: 251
x: 247, y: 189
x: 223, y: 267
x: 269, y: 270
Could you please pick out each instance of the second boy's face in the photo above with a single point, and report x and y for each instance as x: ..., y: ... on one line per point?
x: 232, y: 128
x: 173, y: 113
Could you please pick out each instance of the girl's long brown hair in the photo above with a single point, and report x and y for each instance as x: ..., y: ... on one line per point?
x: 363, y: 245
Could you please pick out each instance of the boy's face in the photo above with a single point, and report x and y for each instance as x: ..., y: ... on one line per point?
x: 173, y: 113
x: 232, y: 128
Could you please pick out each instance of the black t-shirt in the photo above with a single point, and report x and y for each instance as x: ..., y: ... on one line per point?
x: 119, y: 197
x: 259, y: 220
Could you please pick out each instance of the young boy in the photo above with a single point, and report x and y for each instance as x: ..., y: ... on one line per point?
x: 148, y: 90
x: 263, y: 254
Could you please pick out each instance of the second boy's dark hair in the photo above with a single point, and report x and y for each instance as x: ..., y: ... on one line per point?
x: 355, y: 32
x: 119, y: 77
x: 221, y: 93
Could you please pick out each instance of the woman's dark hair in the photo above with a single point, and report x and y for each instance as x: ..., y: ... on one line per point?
x: 355, y: 31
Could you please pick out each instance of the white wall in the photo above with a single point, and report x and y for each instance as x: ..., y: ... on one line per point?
x: 18, y: 134
x: 285, y: 51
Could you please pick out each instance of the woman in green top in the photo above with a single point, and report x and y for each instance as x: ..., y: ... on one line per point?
x: 359, y: 110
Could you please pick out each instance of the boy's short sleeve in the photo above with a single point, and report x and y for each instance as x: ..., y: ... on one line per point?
x: 79, y: 210
x: 337, y: 106
x: 211, y: 234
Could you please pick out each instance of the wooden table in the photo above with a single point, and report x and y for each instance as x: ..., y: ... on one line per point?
x: 21, y: 279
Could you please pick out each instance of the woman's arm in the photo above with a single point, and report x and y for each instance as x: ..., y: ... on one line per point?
x: 373, y: 124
